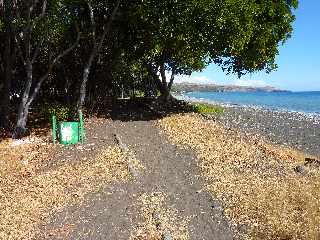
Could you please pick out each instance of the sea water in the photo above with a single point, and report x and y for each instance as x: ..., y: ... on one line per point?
x: 306, y: 102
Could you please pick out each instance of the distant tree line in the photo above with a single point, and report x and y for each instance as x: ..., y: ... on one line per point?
x: 82, y: 51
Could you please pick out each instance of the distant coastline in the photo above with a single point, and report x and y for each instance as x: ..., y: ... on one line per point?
x: 193, y: 87
x: 303, y: 102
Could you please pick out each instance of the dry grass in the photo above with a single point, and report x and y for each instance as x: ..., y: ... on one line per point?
x: 28, y: 197
x: 159, y: 220
x: 253, y: 179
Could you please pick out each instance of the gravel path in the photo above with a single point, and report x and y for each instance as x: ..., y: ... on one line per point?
x: 112, y: 212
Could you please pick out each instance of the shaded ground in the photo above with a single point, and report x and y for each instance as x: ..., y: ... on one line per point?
x: 112, y: 213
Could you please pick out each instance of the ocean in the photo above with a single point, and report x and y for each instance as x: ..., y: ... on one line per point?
x: 305, y: 102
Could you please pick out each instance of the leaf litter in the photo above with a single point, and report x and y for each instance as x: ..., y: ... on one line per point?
x: 254, y: 179
x: 159, y: 221
x: 29, y: 197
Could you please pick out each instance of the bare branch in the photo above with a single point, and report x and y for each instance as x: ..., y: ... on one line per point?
x: 173, y: 73
x: 1, y: 67
x: 41, y: 16
x: 1, y: 7
x: 93, y: 23
x: 36, y: 52
x: 65, y: 52
x: 44, y: 8
x: 110, y: 20
x: 19, y: 42
x: 45, y: 76
x: 33, y: 5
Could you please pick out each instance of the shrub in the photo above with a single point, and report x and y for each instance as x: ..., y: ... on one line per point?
x: 62, y: 112
x: 204, y: 108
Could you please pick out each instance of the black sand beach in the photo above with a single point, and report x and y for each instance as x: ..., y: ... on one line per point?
x: 286, y: 128
x: 292, y: 129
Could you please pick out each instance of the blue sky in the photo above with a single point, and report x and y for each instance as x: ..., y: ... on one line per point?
x: 298, y: 60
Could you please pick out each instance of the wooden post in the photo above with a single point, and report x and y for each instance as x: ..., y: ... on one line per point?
x: 81, y: 127
x: 54, y: 129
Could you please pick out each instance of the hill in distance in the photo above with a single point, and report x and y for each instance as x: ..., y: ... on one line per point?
x: 194, y: 87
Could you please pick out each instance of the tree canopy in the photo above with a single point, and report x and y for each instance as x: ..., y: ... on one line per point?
x: 82, y: 51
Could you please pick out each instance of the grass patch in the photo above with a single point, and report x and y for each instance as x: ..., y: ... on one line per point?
x: 254, y: 180
x: 204, y: 108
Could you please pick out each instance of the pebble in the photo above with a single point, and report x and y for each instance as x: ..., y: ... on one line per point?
x: 296, y: 130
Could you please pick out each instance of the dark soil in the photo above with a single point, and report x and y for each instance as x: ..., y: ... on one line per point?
x: 112, y: 212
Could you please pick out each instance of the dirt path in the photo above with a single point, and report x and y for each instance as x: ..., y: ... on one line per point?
x: 112, y: 213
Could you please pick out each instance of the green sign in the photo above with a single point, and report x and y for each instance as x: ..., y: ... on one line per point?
x: 68, y: 132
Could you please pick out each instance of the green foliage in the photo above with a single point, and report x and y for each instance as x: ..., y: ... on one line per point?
x: 139, y: 93
x: 204, y: 108
x: 145, y: 37
x: 62, y: 112
x: 1, y: 25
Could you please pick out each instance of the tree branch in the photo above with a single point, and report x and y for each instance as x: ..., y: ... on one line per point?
x: 45, y: 76
x: 19, y: 41
x: 107, y: 29
x: 163, y: 74
x: 44, y: 9
x: 93, y: 23
x: 173, y: 72
x: 1, y: 67
x: 42, y: 15
x: 36, y: 52
x: 65, y: 52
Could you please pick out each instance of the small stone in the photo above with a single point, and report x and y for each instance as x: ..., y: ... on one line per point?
x: 242, y: 228
x: 167, y: 236
x: 133, y: 171
x: 300, y: 169
x: 216, y: 205
x: 156, y: 216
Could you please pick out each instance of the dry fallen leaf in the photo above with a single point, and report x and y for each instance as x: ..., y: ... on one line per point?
x: 254, y: 179
x: 159, y: 220
x: 28, y: 197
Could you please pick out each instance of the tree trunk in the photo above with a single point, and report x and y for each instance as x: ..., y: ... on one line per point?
x: 21, y: 129
x: 97, y: 45
x: 165, y: 87
x: 153, y: 74
x: 85, y: 78
x: 28, y: 98
x: 24, y: 106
